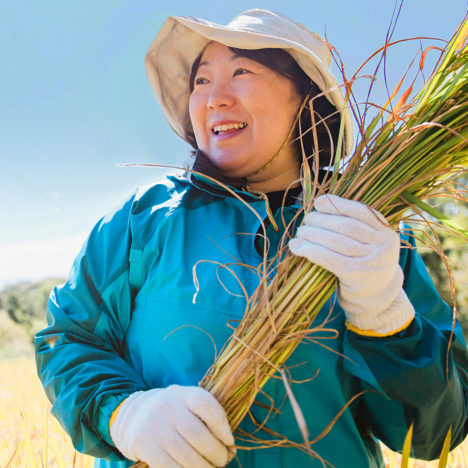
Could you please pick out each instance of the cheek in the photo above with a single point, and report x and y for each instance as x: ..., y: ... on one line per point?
x: 259, y: 108
x: 274, y: 117
x: 273, y: 107
x: 195, y: 113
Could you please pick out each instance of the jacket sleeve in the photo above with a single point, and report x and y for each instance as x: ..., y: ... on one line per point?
x: 419, y: 375
x: 80, y: 354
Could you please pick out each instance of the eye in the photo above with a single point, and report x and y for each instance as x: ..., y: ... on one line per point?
x: 240, y: 71
x: 200, y: 81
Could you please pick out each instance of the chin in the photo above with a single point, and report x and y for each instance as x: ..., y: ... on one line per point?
x: 231, y: 166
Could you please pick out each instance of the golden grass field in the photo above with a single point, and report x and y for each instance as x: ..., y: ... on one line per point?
x: 30, y: 438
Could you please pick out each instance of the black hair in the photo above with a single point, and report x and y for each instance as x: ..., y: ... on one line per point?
x: 326, y: 116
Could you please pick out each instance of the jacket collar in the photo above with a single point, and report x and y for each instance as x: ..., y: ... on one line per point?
x: 206, y: 174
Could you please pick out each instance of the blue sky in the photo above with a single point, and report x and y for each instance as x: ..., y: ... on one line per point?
x: 75, y: 102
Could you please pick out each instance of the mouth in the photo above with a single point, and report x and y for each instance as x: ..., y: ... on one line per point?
x: 228, y: 128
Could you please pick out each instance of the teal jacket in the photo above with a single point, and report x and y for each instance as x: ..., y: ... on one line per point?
x: 126, y: 320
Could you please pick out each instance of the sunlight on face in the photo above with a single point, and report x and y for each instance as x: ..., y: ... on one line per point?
x: 242, y: 112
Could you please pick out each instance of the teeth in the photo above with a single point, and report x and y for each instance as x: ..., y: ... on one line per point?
x: 231, y: 126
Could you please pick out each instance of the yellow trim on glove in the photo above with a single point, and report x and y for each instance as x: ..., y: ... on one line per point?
x: 114, y: 414
x: 375, y: 334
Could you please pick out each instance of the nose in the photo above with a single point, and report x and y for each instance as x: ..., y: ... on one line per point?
x: 221, y: 95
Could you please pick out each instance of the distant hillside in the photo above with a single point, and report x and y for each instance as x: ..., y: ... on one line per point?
x: 22, y: 313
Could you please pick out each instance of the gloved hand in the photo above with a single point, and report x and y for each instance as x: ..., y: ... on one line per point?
x: 174, y: 427
x: 358, y: 246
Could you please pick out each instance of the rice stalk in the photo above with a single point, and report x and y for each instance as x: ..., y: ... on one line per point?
x: 443, y: 459
x: 405, y: 454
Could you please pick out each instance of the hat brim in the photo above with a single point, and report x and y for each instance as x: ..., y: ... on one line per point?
x: 170, y: 58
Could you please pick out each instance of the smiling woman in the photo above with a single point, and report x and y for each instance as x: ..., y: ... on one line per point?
x: 128, y: 341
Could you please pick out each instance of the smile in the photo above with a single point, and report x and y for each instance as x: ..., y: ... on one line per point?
x: 228, y: 127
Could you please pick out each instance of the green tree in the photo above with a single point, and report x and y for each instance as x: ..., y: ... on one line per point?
x: 25, y: 303
x: 455, y: 247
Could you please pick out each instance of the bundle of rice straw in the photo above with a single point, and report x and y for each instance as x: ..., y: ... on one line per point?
x: 407, y: 154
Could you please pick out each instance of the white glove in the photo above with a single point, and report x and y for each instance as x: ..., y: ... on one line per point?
x: 358, y: 246
x: 174, y: 427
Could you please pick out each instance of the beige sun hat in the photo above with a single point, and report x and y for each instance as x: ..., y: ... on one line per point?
x: 181, y: 39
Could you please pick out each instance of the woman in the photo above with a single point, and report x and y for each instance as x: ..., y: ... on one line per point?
x: 123, y: 352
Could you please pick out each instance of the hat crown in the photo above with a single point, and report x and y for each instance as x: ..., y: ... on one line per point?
x: 273, y: 24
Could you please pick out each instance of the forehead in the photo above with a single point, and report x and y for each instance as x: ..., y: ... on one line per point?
x: 216, y: 51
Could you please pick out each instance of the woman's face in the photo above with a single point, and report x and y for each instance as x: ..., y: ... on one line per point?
x: 241, y: 113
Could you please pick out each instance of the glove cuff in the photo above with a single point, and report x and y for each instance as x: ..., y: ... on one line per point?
x: 115, y: 413
x: 120, y: 428
x: 392, y: 320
